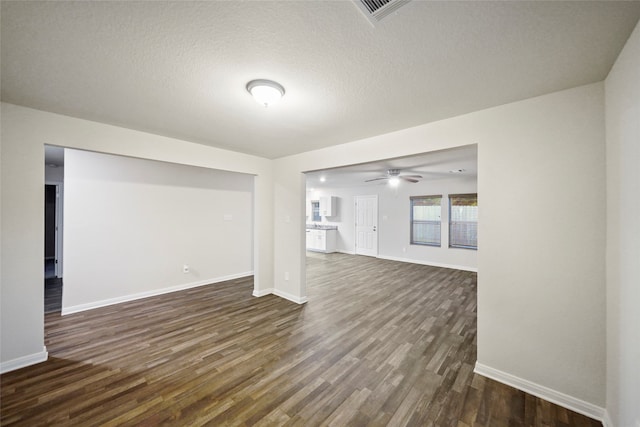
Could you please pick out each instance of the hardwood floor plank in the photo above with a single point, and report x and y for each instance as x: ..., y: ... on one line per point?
x: 380, y: 343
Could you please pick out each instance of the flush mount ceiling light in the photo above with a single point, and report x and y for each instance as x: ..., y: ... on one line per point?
x: 265, y: 92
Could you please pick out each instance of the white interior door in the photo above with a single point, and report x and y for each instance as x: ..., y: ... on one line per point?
x: 366, y: 225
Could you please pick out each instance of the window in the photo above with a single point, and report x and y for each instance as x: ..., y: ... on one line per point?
x: 315, y: 211
x: 425, y: 220
x: 463, y: 221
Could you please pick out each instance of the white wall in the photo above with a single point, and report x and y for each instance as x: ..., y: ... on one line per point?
x: 623, y: 235
x: 541, y: 290
x: 393, y: 221
x: 24, y: 132
x: 132, y: 224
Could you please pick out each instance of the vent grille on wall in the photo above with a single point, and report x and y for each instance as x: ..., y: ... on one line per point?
x: 375, y: 10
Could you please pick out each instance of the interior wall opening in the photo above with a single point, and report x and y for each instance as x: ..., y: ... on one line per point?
x: 384, y: 209
x: 53, y: 227
x: 135, y: 228
x: 422, y: 211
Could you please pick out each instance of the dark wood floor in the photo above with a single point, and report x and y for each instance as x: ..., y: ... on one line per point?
x: 379, y: 343
x: 52, y: 295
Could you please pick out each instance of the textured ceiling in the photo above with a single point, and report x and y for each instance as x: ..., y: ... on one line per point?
x: 180, y: 68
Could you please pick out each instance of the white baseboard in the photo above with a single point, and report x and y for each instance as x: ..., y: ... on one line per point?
x: 290, y: 297
x: 262, y: 292
x: 147, y: 294
x: 346, y: 252
x: 553, y: 396
x: 432, y: 264
x: 24, y: 361
x: 606, y: 419
x: 281, y: 294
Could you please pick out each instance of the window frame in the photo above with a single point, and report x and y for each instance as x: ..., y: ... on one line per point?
x: 451, y: 222
x: 412, y: 221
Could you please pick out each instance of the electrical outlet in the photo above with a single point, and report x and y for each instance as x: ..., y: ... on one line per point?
x: 286, y: 275
x: 185, y: 269
x: 404, y: 249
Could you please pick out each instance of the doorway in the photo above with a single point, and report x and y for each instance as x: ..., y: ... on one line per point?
x: 53, y: 224
x: 51, y: 194
x: 52, y: 252
x: 366, y: 225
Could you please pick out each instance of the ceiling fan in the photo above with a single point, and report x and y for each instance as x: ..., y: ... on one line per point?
x: 393, y: 175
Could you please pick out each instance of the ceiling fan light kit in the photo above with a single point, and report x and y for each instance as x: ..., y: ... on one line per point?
x: 265, y: 92
x: 394, y: 177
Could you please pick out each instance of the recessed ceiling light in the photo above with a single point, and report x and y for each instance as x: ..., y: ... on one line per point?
x: 456, y: 170
x: 265, y: 92
x: 323, y: 179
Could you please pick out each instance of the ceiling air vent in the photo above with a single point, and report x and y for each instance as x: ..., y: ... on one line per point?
x: 375, y: 10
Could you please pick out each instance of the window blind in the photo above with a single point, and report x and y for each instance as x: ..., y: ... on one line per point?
x: 463, y: 221
x: 426, y: 214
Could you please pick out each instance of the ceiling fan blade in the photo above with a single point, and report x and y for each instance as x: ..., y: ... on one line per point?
x: 409, y: 179
x: 435, y: 174
x: 376, y: 179
x: 412, y: 176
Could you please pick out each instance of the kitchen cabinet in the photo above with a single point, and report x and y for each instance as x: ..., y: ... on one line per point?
x: 321, y: 240
x: 328, y: 206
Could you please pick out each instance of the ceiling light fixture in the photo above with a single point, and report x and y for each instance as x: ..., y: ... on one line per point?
x: 394, y: 181
x: 265, y: 92
x: 323, y: 179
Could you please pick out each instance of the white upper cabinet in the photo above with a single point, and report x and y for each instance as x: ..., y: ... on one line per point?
x: 328, y: 206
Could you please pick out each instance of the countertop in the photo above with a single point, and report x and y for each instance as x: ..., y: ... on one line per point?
x: 321, y: 227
